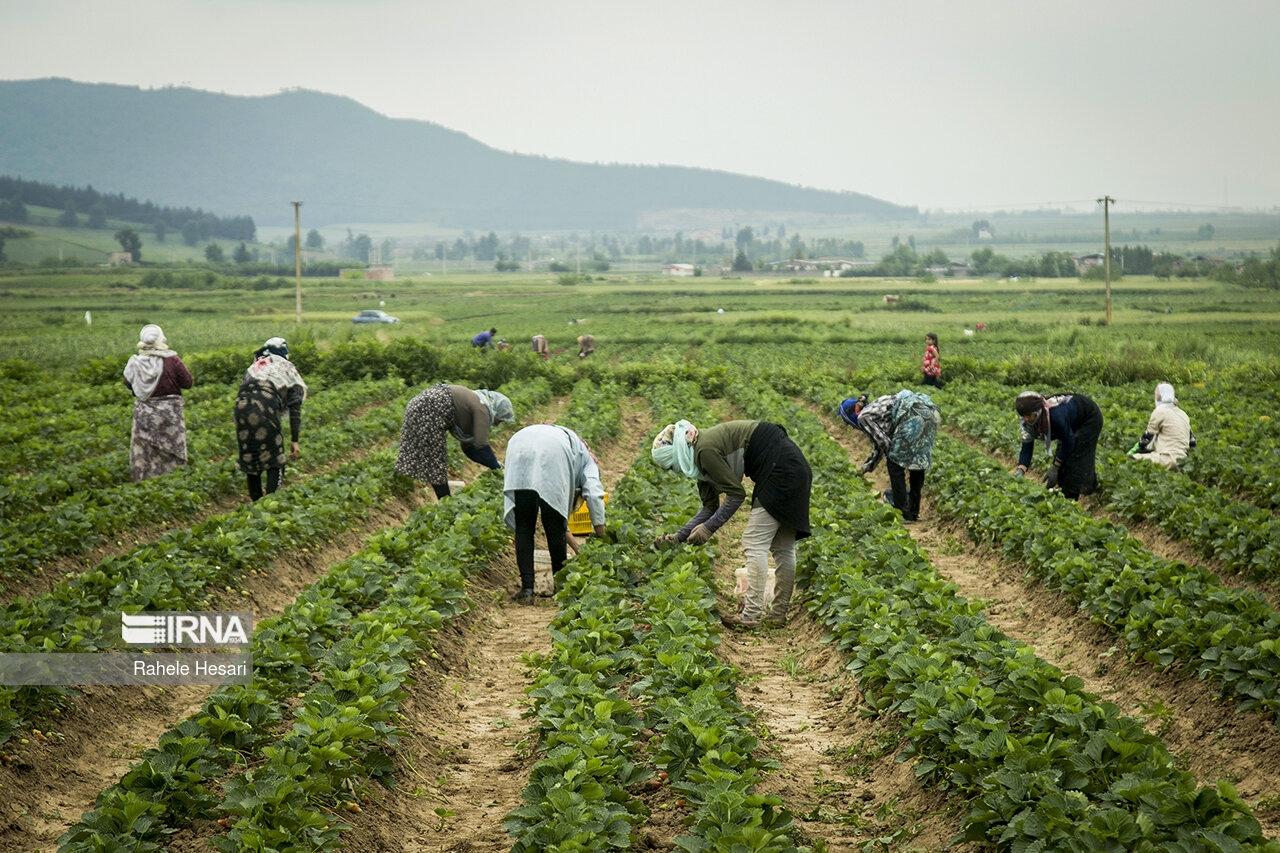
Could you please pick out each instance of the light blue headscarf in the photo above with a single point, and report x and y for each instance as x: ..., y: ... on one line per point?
x: 672, y: 451
x: 499, y: 406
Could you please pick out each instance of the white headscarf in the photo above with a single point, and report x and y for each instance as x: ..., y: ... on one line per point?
x: 144, y: 369
x: 1165, y: 395
x: 276, y: 369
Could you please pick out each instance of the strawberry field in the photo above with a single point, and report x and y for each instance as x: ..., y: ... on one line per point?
x: 1014, y: 671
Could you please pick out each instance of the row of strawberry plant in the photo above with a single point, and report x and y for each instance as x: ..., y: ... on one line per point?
x: 78, y: 524
x: 705, y: 739
x: 1167, y: 611
x: 1217, y: 460
x: 1242, y: 537
x: 345, y: 727
x: 177, y: 782
x: 581, y: 791
x: 1045, y: 765
x: 80, y: 433
x: 174, y: 784
x: 183, y: 569
x: 210, y: 438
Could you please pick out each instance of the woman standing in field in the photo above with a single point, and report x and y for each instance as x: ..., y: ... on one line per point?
x: 931, y: 367
x: 1075, y: 422
x: 718, y: 458
x: 271, y: 386
x: 549, y: 470
x: 443, y: 409
x: 902, y: 427
x: 1168, y: 436
x: 156, y: 376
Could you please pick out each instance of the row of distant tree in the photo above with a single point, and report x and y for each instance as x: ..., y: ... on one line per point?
x: 85, y: 206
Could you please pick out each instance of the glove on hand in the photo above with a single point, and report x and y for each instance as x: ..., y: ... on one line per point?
x: 865, y: 468
x: 1019, y: 472
x: 699, y: 535
x: 666, y: 541
x: 1051, y: 478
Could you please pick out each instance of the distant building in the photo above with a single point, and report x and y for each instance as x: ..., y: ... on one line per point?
x: 1088, y: 262
x: 678, y: 269
x: 119, y: 259
x: 376, y: 273
x: 985, y: 234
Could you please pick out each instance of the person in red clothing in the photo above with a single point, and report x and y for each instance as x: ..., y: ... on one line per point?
x: 156, y: 376
x: 932, y: 367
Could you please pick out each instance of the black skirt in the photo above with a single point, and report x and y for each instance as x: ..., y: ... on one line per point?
x: 781, y: 475
x: 1079, y: 472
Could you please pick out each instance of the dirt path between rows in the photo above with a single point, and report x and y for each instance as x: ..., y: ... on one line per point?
x: 48, y: 785
x: 467, y: 747
x: 1212, y: 739
x: 839, y: 774
x: 1152, y: 537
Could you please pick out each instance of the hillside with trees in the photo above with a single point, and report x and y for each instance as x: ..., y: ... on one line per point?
x: 348, y: 163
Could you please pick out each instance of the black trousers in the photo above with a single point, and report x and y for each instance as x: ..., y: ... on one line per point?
x: 906, y: 500
x: 274, y: 477
x: 528, y: 505
x: 935, y: 381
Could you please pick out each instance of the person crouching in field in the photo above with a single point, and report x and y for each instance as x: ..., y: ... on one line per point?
x: 931, y: 367
x: 902, y: 427
x: 484, y: 340
x: 1168, y: 436
x: 718, y: 458
x: 443, y: 409
x: 271, y: 386
x: 1075, y: 422
x: 549, y: 470
x: 586, y: 345
x: 156, y: 376
x: 540, y: 346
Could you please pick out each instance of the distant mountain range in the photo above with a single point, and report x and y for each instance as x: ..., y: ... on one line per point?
x: 347, y: 163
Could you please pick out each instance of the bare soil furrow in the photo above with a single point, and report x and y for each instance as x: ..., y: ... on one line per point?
x: 1205, y: 732
x: 47, y: 784
x: 467, y: 745
x: 839, y: 772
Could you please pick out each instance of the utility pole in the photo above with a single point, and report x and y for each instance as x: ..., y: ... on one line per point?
x: 297, y: 259
x: 1106, y: 201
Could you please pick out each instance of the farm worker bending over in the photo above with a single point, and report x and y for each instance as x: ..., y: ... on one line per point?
x: 903, y: 427
x: 271, y: 386
x: 586, y: 345
x: 717, y: 458
x: 1075, y: 422
x: 931, y: 367
x: 484, y: 339
x: 549, y: 470
x: 156, y: 376
x: 540, y: 346
x: 443, y: 409
x: 1168, y: 436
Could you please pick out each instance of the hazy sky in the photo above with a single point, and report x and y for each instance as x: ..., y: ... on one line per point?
x: 936, y: 103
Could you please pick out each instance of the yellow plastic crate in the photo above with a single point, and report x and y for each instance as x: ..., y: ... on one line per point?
x: 580, y: 519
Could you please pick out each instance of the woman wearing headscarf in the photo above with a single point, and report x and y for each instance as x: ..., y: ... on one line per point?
x: 156, y: 376
x: 902, y: 427
x: 586, y: 345
x: 1168, y: 435
x: 1075, y: 422
x: 443, y: 409
x: 271, y: 387
x: 931, y: 366
x: 548, y: 470
x: 718, y: 458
